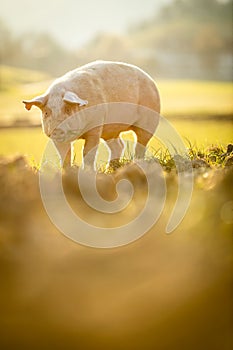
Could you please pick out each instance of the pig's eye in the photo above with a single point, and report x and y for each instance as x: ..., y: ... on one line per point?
x: 46, y: 114
x: 68, y: 110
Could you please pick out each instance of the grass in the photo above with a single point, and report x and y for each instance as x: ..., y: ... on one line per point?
x: 185, y: 98
x: 31, y: 141
x: 15, y: 85
x: 12, y: 77
x: 105, y: 298
x: 201, y: 100
x: 203, y: 132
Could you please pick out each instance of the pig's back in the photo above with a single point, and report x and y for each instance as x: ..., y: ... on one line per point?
x: 106, y: 81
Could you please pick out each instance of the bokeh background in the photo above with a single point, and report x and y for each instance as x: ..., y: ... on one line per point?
x: 163, y: 291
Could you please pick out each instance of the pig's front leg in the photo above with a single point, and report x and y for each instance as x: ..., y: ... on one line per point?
x: 65, y: 151
x: 92, y: 139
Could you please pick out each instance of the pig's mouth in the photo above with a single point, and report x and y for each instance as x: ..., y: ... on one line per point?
x: 58, y: 135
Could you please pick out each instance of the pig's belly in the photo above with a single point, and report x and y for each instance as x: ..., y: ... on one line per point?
x: 112, y: 131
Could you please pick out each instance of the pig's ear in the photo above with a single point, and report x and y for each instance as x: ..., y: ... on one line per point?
x: 71, y: 97
x: 38, y: 101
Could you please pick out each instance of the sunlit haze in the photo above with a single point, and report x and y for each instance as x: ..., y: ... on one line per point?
x: 73, y: 22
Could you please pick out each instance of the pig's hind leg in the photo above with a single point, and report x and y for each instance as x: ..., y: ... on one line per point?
x: 143, y: 137
x: 116, y: 147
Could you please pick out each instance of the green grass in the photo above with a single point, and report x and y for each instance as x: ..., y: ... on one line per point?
x: 31, y: 142
x: 203, y: 132
x: 180, y: 100
x: 178, y: 277
x: 15, y: 85
x: 184, y: 98
x: 12, y: 77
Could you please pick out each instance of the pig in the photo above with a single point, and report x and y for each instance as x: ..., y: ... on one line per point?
x: 95, y: 84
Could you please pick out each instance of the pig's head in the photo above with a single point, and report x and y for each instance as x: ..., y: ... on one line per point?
x: 56, y: 106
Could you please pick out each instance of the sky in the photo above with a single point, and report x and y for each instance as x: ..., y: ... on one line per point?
x: 73, y: 22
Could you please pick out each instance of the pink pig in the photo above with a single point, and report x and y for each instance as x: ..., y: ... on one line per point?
x: 94, y: 84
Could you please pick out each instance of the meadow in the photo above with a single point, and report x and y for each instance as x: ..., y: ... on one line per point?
x: 161, y: 291
x: 201, y: 112
x: 31, y: 142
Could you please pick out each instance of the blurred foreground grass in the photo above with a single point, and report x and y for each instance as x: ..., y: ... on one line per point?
x: 161, y: 292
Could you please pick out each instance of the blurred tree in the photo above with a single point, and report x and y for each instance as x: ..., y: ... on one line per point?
x: 201, y: 29
x: 34, y: 50
x: 183, y: 31
x: 179, y: 24
x: 106, y: 46
x: 7, y: 49
x: 42, y: 52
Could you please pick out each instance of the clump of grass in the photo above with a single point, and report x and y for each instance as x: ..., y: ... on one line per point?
x: 163, y: 157
x: 214, y: 156
x: 114, y: 164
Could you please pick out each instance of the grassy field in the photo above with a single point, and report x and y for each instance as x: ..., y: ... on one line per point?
x: 31, y: 142
x: 160, y: 292
x: 205, y: 102
x: 15, y: 85
x: 185, y: 98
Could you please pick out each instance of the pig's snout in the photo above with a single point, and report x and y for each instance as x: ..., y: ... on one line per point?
x: 58, y: 135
